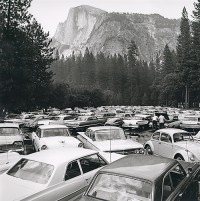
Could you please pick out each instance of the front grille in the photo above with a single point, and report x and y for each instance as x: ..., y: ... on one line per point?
x: 129, y: 151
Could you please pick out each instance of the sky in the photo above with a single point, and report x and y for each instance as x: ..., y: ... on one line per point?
x: 50, y: 12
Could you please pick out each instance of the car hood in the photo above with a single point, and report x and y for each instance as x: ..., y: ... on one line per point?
x: 10, y: 139
x: 7, y: 160
x: 193, y: 147
x: 117, y: 145
x: 60, y: 141
x: 13, y: 188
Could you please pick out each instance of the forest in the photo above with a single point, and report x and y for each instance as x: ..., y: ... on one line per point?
x: 33, y: 77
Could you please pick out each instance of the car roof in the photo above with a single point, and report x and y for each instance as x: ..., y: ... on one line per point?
x: 95, y: 128
x: 9, y: 125
x: 144, y: 167
x: 171, y: 131
x: 52, y: 126
x: 60, y: 155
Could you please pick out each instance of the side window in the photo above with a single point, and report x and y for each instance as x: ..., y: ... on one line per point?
x: 171, y: 180
x: 166, y: 138
x: 191, y: 192
x: 72, y: 171
x: 91, y: 162
x: 156, y: 136
x: 167, y: 187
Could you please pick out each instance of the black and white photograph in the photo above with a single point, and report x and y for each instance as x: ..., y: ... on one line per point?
x: 99, y: 100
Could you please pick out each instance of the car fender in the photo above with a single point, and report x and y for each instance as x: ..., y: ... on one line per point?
x: 149, y: 143
x: 183, y: 153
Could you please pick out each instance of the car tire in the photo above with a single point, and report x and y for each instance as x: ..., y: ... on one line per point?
x: 179, y: 157
x: 148, y: 150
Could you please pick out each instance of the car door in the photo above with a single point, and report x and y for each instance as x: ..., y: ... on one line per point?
x: 90, y: 165
x: 166, y: 145
x: 155, y: 142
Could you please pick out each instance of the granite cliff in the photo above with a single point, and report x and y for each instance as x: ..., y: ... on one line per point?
x: 111, y: 33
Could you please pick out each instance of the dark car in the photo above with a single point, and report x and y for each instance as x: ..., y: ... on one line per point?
x: 140, y: 177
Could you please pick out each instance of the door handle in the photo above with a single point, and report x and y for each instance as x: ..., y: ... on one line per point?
x: 88, y: 179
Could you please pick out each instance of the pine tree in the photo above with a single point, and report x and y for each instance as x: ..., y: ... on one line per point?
x: 195, y: 55
x: 132, y: 72
x: 167, y: 63
x: 184, y: 55
x: 25, y: 58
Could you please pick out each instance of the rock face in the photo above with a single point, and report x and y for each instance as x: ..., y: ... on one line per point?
x: 111, y: 33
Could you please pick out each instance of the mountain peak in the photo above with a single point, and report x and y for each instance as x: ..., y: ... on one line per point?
x: 111, y: 33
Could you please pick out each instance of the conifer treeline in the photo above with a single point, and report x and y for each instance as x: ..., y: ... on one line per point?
x: 171, y: 79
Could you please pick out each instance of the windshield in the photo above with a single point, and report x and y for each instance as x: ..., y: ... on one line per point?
x: 182, y: 137
x: 33, y: 171
x: 9, y: 131
x: 117, y: 188
x: 109, y: 134
x: 55, y: 132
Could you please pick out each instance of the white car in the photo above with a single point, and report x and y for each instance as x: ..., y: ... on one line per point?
x: 51, y: 175
x: 190, y: 122
x: 109, y: 139
x: 53, y: 136
x: 174, y: 143
x: 11, y: 138
x: 140, y: 121
x: 11, y: 142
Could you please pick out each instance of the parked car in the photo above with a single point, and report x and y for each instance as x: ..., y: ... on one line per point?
x: 32, y: 124
x: 53, y: 136
x: 147, y: 178
x: 58, y: 174
x: 109, y: 139
x: 11, y: 145
x: 174, y: 143
x: 20, y: 119
x: 115, y: 121
x: 81, y: 123
x: 139, y: 121
x: 11, y: 138
x: 190, y: 122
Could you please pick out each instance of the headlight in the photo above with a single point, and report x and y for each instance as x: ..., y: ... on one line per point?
x: 80, y: 145
x: 141, y: 151
x: 192, y: 157
x: 43, y: 147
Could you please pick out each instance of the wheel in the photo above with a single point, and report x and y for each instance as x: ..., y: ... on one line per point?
x: 179, y: 157
x: 148, y: 150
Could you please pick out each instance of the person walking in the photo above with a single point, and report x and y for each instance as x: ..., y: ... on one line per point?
x: 161, y: 120
x: 155, y: 121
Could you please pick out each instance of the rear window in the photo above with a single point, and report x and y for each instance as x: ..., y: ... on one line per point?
x: 9, y: 131
x: 55, y: 132
x: 32, y: 171
x: 117, y: 188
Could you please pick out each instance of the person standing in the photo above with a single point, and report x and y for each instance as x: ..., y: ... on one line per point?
x: 155, y: 121
x: 161, y: 120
